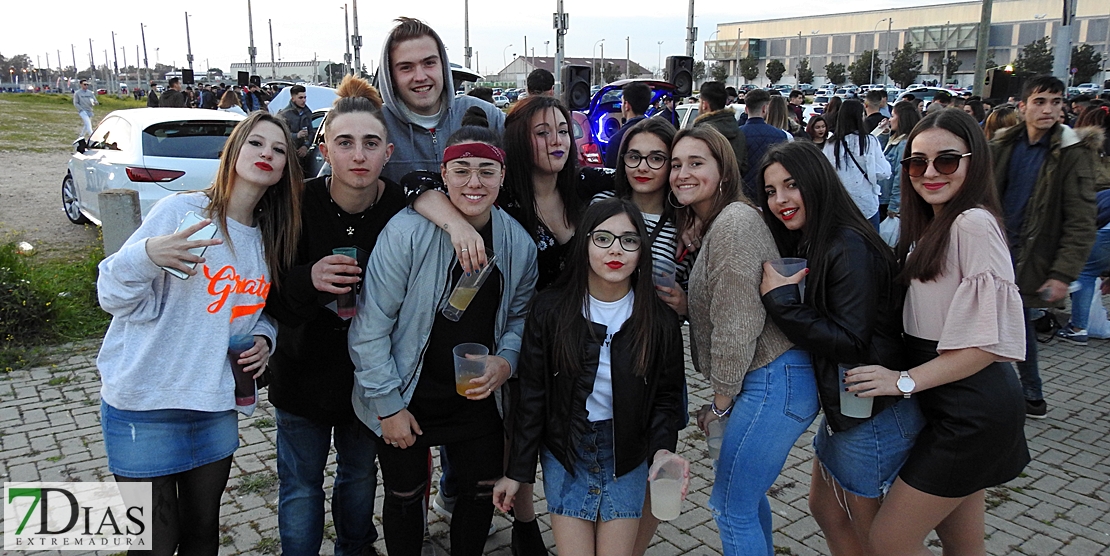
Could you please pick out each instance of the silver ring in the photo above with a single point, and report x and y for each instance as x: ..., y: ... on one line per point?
x: 464, y: 250
x: 395, y: 444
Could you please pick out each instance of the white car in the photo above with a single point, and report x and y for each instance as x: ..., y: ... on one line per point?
x: 1088, y: 88
x: 500, y: 101
x: 155, y: 151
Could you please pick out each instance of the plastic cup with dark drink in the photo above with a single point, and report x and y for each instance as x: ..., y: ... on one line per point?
x: 347, y: 303
x: 470, y: 363
x: 244, y: 381
x: 790, y: 266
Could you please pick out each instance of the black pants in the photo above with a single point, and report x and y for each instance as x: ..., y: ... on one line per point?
x: 186, y: 510
x: 476, y: 464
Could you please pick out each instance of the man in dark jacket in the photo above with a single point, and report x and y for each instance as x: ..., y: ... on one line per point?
x: 298, y: 116
x: 759, y: 134
x: 1045, y: 176
x: 712, y: 112
x: 152, y: 97
x: 172, y: 97
x: 635, y: 100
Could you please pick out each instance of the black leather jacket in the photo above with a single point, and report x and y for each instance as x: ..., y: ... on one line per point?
x: 552, y: 408
x: 852, y: 314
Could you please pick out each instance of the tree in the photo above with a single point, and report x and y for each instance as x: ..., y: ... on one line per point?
x: 1086, y: 62
x: 905, y: 65
x: 699, y: 70
x: 775, y: 69
x: 860, y: 70
x: 835, y: 73
x: 804, y: 74
x: 1035, y: 58
x: 718, y: 71
x: 936, y: 66
x: 749, y: 67
x: 610, y: 73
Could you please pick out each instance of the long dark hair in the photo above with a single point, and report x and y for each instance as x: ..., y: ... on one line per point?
x: 731, y: 188
x: 927, y: 234
x: 665, y: 132
x: 831, y: 110
x: 849, y: 120
x: 572, y: 291
x: 908, y: 116
x: 811, y: 132
x: 828, y: 207
x: 519, y: 165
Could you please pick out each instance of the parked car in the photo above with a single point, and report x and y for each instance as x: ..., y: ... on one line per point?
x: 588, y: 152
x: 604, y: 113
x: 1088, y: 88
x: 845, y: 93
x: 513, y: 94
x: 98, y: 91
x: 500, y: 101
x: 155, y: 151
x: 686, y: 114
x: 807, y: 89
x: 924, y: 93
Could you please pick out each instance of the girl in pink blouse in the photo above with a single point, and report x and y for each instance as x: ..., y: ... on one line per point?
x: 963, y: 324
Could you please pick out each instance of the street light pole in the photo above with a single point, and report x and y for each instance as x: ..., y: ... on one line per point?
x: 356, y: 39
x: 944, y: 62
x: 115, y: 59
x: 889, y: 25
x: 871, y: 76
x: 146, y: 64
x: 504, y: 61
x: 347, y: 33
x: 659, y: 59
x: 251, y: 50
x: 92, y: 63
x: 593, y: 60
x: 273, y: 64
x: 466, y: 33
x: 188, y: 43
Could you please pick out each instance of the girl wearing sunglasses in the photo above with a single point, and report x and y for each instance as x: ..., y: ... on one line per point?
x: 851, y: 314
x: 963, y: 321
x: 602, y: 373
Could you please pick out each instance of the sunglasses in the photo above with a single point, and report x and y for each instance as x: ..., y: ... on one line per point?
x: 603, y: 240
x: 945, y: 164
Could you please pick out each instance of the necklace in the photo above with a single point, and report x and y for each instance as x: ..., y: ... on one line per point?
x: 343, y: 215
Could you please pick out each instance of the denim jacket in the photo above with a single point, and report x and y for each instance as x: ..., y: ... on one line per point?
x: 407, y: 282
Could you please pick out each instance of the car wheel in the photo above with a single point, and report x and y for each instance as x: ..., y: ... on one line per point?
x: 70, y: 203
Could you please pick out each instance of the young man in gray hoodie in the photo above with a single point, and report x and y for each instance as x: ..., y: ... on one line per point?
x: 84, y: 100
x: 421, y: 109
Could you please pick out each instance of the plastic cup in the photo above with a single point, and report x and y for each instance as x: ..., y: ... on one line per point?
x: 662, y: 272
x: 467, y: 288
x: 850, y: 404
x: 467, y: 368
x: 716, y: 437
x: 790, y: 266
x: 347, y: 303
x: 666, y: 491
x: 244, y: 381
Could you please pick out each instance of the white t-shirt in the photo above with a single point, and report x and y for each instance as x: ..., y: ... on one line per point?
x: 613, y: 314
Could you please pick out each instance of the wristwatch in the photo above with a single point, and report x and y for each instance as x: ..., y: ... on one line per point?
x: 906, y: 383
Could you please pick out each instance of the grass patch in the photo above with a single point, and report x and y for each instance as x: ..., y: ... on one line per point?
x: 226, y: 540
x: 258, y: 483
x: 264, y: 423
x: 58, y: 381
x: 268, y: 545
x: 996, y: 497
x: 56, y: 458
x: 39, y: 122
x: 46, y: 300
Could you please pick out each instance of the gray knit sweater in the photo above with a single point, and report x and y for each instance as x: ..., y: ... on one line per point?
x: 730, y: 331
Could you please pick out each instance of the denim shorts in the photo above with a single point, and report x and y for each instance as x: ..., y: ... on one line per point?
x: 865, y: 459
x: 593, y: 492
x: 144, y: 444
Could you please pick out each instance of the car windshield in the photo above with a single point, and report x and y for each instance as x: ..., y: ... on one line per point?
x: 186, y: 139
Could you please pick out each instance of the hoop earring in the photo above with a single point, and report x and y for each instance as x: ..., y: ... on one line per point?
x: 674, y: 203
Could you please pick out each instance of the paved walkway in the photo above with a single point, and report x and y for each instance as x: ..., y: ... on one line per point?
x: 50, y: 431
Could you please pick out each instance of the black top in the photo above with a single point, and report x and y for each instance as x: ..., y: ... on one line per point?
x: 872, y: 121
x: 443, y: 415
x: 311, y: 370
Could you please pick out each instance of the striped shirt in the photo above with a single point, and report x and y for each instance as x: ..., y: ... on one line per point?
x: 665, y: 246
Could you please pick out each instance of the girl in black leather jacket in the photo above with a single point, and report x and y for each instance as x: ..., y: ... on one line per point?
x: 851, y: 314
x: 601, y: 371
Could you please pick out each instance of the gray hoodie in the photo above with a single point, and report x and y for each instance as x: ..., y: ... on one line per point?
x: 84, y: 100
x: 416, y: 148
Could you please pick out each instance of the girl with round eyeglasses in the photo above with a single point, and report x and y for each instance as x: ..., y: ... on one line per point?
x: 963, y: 322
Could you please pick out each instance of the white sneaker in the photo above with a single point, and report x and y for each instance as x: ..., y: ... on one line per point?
x: 445, y: 507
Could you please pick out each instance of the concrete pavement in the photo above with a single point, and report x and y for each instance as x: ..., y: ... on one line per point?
x: 50, y: 431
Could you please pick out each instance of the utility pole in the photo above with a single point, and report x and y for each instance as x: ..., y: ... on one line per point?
x: 889, y: 25
x: 115, y: 59
x: 92, y: 62
x: 691, y: 31
x: 188, y: 43
x: 273, y: 66
x: 347, y: 34
x: 603, y: 81
x: 124, y: 50
x: 562, y: 24
x: 944, y: 62
x: 466, y: 33
x: 981, y: 44
x: 356, y: 40
x: 628, y: 57
x: 1061, y: 62
x: 526, y: 48
x: 138, y: 75
x: 251, y: 50
x: 146, y: 63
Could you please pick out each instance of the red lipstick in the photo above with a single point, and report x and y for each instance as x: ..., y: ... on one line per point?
x: 264, y: 166
x: 615, y: 265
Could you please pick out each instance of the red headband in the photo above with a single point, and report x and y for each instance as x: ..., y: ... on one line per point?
x: 478, y: 150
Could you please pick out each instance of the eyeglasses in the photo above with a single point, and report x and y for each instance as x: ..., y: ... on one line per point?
x: 945, y: 164
x: 460, y: 176
x: 603, y: 239
x: 654, y: 161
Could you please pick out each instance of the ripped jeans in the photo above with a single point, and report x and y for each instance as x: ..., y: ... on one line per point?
x: 406, y: 474
x: 775, y: 406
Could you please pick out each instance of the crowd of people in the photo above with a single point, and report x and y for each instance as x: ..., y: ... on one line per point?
x: 350, y: 287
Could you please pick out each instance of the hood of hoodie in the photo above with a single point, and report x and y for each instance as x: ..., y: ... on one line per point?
x: 391, y: 100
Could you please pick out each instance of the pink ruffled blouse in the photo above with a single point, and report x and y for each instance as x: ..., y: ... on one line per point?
x: 975, y: 302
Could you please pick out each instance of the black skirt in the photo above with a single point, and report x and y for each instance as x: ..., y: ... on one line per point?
x: 974, y: 436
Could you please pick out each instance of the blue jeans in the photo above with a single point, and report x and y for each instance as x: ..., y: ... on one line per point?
x: 775, y: 406
x: 1096, y: 264
x: 1027, y: 370
x: 302, y: 451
